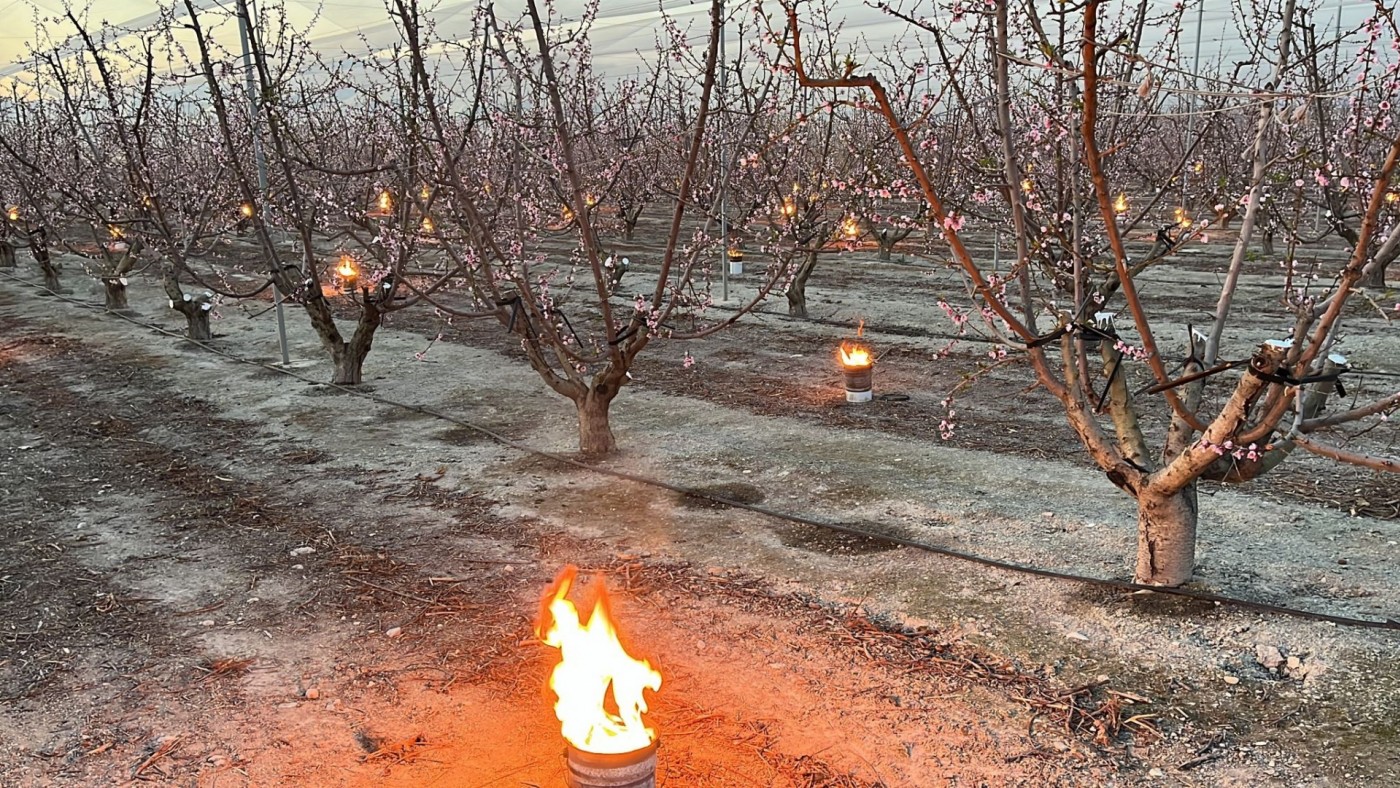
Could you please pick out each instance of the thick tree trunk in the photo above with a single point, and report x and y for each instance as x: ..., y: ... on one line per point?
x: 349, y: 366
x: 1375, y: 279
x: 46, y: 265
x: 7, y: 255
x: 797, y: 290
x: 197, y: 324
x: 115, y: 288
x: 595, y: 438
x: 797, y: 300
x: 349, y: 357
x: 884, y: 254
x: 1166, y: 536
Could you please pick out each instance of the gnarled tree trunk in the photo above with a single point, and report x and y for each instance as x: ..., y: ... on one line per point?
x: 39, y: 247
x: 349, y: 357
x: 195, y: 308
x: 349, y: 367
x: 797, y: 289
x: 1373, y: 278
x: 115, y: 289
x: 1166, y: 553
x: 595, y: 437
x: 7, y: 255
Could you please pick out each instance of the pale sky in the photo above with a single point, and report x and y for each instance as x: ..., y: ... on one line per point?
x: 624, y: 26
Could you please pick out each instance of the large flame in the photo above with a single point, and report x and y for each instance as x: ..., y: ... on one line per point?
x: 595, y: 674
x: 854, y: 354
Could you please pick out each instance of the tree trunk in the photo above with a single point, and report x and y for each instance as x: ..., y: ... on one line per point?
x: 1166, y: 536
x: 797, y: 290
x: 884, y: 254
x: 7, y: 255
x: 115, y: 288
x: 197, y: 324
x: 1375, y: 279
x: 595, y: 438
x: 349, y: 366
x: 51, y: 281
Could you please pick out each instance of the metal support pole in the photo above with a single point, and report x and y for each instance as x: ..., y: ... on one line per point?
x: 244, y: 19
x: 1195, y: 85
x: 723, y: 168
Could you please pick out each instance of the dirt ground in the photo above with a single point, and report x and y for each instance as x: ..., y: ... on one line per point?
x: 217, y: 574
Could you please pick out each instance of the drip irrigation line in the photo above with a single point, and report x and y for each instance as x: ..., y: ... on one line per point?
x: 1120, y: 585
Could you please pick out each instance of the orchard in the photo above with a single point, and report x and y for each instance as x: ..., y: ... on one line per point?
x: 801, y: 393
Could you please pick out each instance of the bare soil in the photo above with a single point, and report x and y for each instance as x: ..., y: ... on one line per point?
x: 164, y: 621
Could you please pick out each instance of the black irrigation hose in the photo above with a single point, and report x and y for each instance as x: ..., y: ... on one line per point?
x: 1121, y: 585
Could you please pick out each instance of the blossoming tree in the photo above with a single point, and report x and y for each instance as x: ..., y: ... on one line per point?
x: 1095, y: 76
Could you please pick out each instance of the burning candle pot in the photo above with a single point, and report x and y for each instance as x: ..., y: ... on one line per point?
x: 595, y: 676
x: 857, y: 367
x: 736, y: 260
x: 348, y: 273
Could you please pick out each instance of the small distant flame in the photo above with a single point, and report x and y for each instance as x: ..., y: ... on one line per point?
x: 1391, y: 197
x: 115, y: 233
x: 427, y: 224
x: 1199, y: 167
x: 590, y: 200
x: 1120, y: 203
x: 386, y: 201
x: 736, y: 254
x: 595, y: 674
x: 246, y: 209
x: 1183, y: 219
x: 424, y: 193
x: 854, y: 355
x: 1028, y: 186
x: 789, y: 207
x: 567, y: 213
x: 850, y: 227
x: 13, y: 213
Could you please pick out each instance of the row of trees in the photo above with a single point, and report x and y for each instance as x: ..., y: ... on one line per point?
x: 1065, y: 105
x: 491, y: 172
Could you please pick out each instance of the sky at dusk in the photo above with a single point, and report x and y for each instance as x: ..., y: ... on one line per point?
x: 624, y: 26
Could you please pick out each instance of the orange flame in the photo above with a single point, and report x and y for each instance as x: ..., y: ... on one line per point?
x: 594, y: 669
x: 115, y: 233
x: 854, y: 354
x: 1183, y: 219
x: 13, y: 213
x: 427, y: 224
x: 246, y: 209
x: 789, y: 207
x: 850, y: 227
x: 386, y: 202
x: 1120, y: 203
x: 347, y: 270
